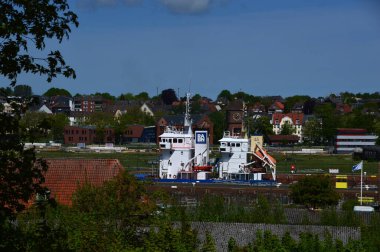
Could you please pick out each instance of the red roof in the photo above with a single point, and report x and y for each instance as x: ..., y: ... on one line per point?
x: 279, y: 105
x: 294, y: 116
x: 65, y: 175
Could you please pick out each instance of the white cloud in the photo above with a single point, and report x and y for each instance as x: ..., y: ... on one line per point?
x: 187, y: 6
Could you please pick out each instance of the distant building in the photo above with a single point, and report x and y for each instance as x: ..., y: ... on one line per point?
x: 139, y: 134
x: 61, y: 104
x: 235, y: 116
x: 348, y: 139
x: 283, y: 140
x: 276, y: 107
x: 90, y: 103
x: 87, y: 135
x: 295, y: 120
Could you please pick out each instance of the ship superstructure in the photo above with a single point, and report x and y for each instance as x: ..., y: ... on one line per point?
x: 242, y: 158
x: 184, y: 155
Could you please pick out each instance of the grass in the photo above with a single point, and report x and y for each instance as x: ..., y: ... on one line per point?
x: 148, y: 160
x: 322, y: 161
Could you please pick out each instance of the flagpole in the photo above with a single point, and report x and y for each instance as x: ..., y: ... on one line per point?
x: 361, y: 184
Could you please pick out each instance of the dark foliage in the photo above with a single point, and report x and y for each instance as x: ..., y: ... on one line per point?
x: 25, y: 26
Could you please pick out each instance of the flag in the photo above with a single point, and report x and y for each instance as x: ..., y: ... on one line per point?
x: 357, y: 167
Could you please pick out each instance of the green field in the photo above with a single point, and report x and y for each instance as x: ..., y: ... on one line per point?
x: 303, y: 163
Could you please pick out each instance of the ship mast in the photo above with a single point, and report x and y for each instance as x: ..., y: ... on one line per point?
x: 187, y: 122
x: 244, y: 130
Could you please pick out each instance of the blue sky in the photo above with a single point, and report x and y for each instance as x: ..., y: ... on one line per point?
x: 267, y: 47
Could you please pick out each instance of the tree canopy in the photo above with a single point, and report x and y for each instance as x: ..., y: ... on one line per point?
x: 25, y: 26
x: 21, y: 172
x: 57, y: 91
x: 314, y: 191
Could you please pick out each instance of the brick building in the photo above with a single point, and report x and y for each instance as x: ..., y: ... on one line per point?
x: 87, y: 135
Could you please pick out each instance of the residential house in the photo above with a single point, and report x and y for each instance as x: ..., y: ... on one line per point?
x: 295, y: 120
x: 45, y: 109
x: 276, y: 107
x: 61, y: 104
x: 297, y: 108
x: 78, y: 117
x: 343, y: 108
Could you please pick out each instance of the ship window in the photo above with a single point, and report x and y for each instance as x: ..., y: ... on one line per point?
x: 181, y: 152
x: 232, y: 144
x: 228, y: 144
x: 223, y: 144
x: 175, y: 140
x: 238, y: 145
x: 170, y: 140
x: 180, y: 140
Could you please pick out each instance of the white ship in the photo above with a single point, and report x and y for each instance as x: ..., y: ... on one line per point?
x: 184, y: 154
x: 244, y: 158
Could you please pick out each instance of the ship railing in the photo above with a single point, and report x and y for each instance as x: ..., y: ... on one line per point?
x: 231, y: 135
x: 170, y: 129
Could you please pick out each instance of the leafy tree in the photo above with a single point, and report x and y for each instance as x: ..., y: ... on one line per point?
x: 232, y: 245
x: 23, y: 91
x: 292, y: 100
x: 143, y: 96
x: 312, y: 131
x: 288, y: 243
x: 37, y: 125
x: 219, y: 122
x: 209, y: 244
x: 261, y: 126
x: 21, y: 172
x: 126, y: 97
x: 123, y: 202
x: 6, y: 91
x: 287, y: 129
x: 106, y: 96
x: 26, y: 25
x: 168, y: 96
x: 58, y: 123
x: 314, y: 191
x: 377, y: 131
x: 225, y: 95
x: 57, y: 91
x: 330, y: 121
